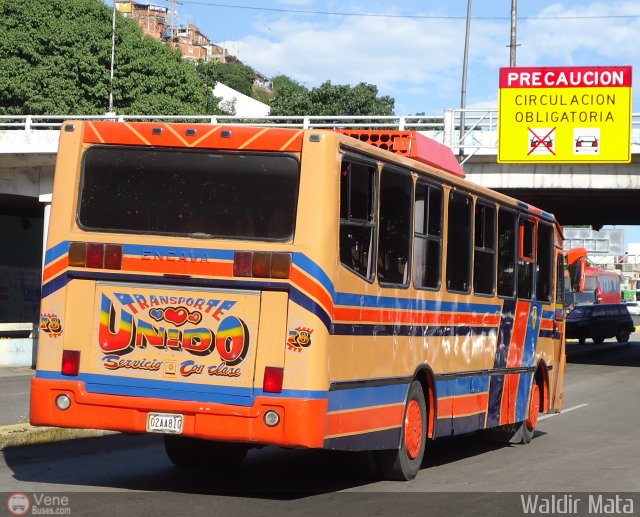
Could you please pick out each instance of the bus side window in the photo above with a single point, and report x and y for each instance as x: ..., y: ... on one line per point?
x: 506, y: 252
x: 545, y: 262
x: 484, y: 256
x: 427, y: 247
x: 459, y: 242
x: 357, y: 217
x: 394, y: 228
x: 526, y: 258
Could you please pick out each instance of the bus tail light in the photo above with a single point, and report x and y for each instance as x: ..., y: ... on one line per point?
x: 95, y: 255
x: 261, y: 264
x: 70, y: 363
x: 273, y: 377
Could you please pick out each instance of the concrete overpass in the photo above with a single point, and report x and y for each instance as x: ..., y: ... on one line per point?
x: 592, y: 194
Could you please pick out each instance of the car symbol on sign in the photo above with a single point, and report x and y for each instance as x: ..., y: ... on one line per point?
x: 587, y: 144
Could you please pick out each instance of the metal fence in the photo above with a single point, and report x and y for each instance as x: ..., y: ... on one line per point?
x: 479, y: 134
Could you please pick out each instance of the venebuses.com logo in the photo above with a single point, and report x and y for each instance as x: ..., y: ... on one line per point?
x: 18, y: 504
x: 38, y: 504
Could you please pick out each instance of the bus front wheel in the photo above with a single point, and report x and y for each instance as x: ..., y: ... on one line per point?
x: 404, y: 463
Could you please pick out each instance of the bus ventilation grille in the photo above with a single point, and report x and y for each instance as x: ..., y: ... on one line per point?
x: 410, y: 144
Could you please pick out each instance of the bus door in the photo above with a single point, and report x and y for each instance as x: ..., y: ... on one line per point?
x: 559, y: 353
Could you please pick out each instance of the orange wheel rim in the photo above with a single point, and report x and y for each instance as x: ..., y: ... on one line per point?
x: 534, y: 407
x: 413, y: 430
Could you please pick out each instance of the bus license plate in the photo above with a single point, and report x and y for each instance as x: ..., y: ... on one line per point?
x: 164, y: 423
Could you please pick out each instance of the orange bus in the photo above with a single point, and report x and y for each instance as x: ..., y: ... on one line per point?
x: 600, y: 286
x: 233, y: 286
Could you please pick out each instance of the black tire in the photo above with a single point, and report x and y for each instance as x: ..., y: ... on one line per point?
x: 524, y: 430
x: 404, y: 463
x: 184, y: 451
x: 623, y: 335
x: 598, y: 340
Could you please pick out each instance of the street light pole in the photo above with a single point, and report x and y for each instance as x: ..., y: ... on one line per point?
x: 113, y: 55
x: 513, y: 45
x: 463, y: 92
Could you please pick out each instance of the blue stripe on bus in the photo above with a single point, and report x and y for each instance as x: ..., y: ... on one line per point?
x: 548, y: 315
x: 531, y: 337
x: 409, y: 330
x: 297, y: 296
x: 496, y: 384
x: 410, y: 304
x: 536, y: 211
x: 314, y: 271
x: 178, y: 251
x: 358, y: 398
x: 56, y: 252
x: 53, y: 285
x: 375, y: 440
x: 175, y: 390
x: 504, y: 334
x: 469, y: 423
x: 462, y: 386
x: 524, y: 387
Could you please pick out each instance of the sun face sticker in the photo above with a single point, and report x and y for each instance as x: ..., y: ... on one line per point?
x: 299, y: 338
x: 50, y: 325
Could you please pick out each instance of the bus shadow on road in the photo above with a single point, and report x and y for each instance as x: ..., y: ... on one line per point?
x: 138, y: 462
x: 609, y: 353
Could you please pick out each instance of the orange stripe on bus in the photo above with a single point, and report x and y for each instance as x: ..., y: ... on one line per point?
x: 470, y: 404
x: 55, y: 268
x: 364, y: 420
x: 174, y: 135
x: 91, y: 134
x: 509, y: 396
x: 178, y: 267
x: 519, y: 334
x: 308, y: 285
x: 463, y: 405
x: 390, y: 316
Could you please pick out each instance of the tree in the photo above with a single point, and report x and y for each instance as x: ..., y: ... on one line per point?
x: 291, y: 98
x: 55, y: 59
x: 235, y: 75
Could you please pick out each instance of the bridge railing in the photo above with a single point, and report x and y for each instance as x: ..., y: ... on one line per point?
x: 478, y: 136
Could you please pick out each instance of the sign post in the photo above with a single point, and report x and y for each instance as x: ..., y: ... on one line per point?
x: 565, y: 115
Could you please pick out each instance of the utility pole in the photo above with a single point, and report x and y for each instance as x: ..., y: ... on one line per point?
x: 513, y: 44
x: 463, y: 91
x: 113, y: 55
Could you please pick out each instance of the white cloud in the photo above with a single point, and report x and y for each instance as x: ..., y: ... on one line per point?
x: 419, y: 61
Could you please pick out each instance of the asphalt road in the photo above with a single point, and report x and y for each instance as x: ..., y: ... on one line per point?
x: 591, y: 447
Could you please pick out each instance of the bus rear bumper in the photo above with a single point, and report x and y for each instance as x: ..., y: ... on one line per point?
x: 301, y: 421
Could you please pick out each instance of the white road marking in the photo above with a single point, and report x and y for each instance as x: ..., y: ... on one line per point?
x: 572, y: 408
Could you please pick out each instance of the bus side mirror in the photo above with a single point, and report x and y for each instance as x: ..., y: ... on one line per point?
x: 576, y: 262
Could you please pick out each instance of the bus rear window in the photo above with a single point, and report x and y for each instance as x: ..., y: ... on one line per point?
x: 189, y: 192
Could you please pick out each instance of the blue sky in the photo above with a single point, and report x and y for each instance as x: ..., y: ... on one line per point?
x: 413, y: 50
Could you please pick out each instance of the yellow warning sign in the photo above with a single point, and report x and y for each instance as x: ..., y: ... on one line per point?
x: 565, y: 115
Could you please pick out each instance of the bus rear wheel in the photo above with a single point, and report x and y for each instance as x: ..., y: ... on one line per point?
x: 404, y: 463
x: 185, y: 451
x: 524, y: 432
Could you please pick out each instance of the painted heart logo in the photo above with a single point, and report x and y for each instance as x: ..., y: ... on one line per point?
x: 195, y: 317
x: 156, y: 314
x: 176, y: 316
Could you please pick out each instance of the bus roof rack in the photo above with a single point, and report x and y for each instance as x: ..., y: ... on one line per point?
x: 411, y: 144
